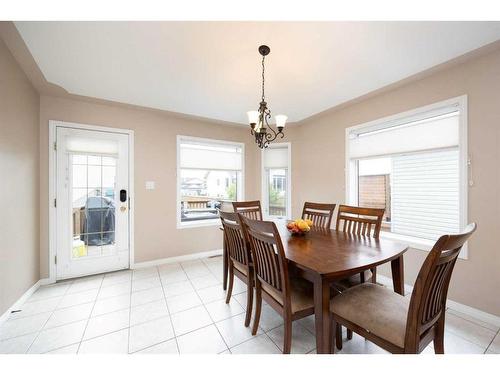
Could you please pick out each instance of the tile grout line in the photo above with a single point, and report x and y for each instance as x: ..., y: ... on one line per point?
x: 270, y: 338
x: 130, y: 310
x: 263, y: 330
x: 244, y: 309
x: 203, y: 304
x: 452, y: 312
x: 50, y: 316
x: 169, y: 314
x: 90, y: 316
x: 491, y: 342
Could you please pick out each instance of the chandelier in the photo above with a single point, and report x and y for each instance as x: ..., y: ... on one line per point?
x: 259, y: 120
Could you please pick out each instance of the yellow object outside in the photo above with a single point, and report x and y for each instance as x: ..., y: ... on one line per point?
x: 79, y: 250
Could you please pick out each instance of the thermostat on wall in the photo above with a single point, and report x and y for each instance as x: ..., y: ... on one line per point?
x: 150, y: 185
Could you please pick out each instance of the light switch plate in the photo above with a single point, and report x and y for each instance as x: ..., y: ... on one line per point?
x: 150, y: 185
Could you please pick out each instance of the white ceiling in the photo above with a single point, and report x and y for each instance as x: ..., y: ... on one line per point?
x: 212, y: 69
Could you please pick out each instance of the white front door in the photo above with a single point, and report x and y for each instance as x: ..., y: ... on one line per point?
x: 92, y: 202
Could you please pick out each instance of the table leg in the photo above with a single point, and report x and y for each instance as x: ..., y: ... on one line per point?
x: 225, y: 266
x: 322, y: 315
x: 398, y: 277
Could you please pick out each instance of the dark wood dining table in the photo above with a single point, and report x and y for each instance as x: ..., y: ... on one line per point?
x: 325, y: 255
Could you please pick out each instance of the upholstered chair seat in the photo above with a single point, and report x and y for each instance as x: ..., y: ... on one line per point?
x: 375, y: 308
x: 301, y: 294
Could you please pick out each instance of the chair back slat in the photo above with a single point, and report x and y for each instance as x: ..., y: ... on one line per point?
x: 319, y: 213
x: 268, y: 256
x: 360, y: 220
x: 428, y: 300
x: 235, y: 239
x: 250, y: 209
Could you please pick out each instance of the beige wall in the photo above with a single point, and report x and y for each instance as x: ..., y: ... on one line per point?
x: 318, y: 160
x: 156, y: 235
x: 19, y: 229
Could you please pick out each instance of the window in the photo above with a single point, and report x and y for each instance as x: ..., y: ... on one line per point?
x: 276, y: 180
x: 415, y: 166
x: 210, y: 174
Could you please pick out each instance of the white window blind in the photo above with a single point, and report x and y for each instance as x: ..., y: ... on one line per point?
x: 425, y: 194
x: 276, y: 157
x: 80, y: 144
x: 215, y: 156
x: 436, y: 132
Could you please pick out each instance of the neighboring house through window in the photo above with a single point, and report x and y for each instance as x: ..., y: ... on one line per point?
x: 210, y: 173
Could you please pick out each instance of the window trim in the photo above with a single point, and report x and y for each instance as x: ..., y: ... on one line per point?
x: 206, y: 222
x: 351, y: 165
x: 263, y: 178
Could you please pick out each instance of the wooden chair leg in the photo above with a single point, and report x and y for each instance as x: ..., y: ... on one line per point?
x: 338, y: 336
x: 287, y: 340
x: 349, y: 334
x: 224, y: 265
x: 258, y: 308
x: 248, y: 316
x: 333, y: 334
x: 231, y: 282
x: 439, y: 336
x: 374, y: 275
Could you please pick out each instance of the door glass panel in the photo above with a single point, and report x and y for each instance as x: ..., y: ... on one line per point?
x: 93, y: 205
x: 277, y: 191
x: 94, y: 176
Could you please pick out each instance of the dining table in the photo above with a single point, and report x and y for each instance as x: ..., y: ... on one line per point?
x: 323, y: 256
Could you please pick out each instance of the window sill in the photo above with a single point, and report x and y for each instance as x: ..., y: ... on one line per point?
x: 199, y: 224
x: 420, y: 243
x: 413, y: 242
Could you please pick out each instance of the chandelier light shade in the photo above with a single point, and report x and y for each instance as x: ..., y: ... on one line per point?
x: 260, y: 128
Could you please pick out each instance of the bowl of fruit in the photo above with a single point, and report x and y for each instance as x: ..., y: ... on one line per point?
x: 299, y: 227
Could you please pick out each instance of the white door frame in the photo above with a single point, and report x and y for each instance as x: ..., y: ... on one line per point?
x: 53, y: 124
x: 289, y: 177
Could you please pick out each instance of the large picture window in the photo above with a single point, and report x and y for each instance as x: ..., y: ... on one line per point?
x: 413, y: 165
x: 210, y: 174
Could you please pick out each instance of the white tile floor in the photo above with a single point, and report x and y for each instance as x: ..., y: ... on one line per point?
x: 179, y: 308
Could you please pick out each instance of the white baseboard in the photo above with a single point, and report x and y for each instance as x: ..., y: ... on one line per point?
x: 475, y: 313
x: 46, y: 281
x: 459, y: 307
x: 182, y: 258
x: 21, y: 301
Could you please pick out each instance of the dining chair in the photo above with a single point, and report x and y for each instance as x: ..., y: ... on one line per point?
x: 290, y: 297
x: 394, y: 322
x: 360, y: 221
x: 319, y: 213
x: 250, y: 209
x: 238, y: 258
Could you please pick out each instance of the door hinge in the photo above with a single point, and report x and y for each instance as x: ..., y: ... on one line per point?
x: 55, y: 146
x: 55, y: 259
x: 55, y: 202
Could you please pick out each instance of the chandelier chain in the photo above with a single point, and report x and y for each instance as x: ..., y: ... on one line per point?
x: 263, y: 71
